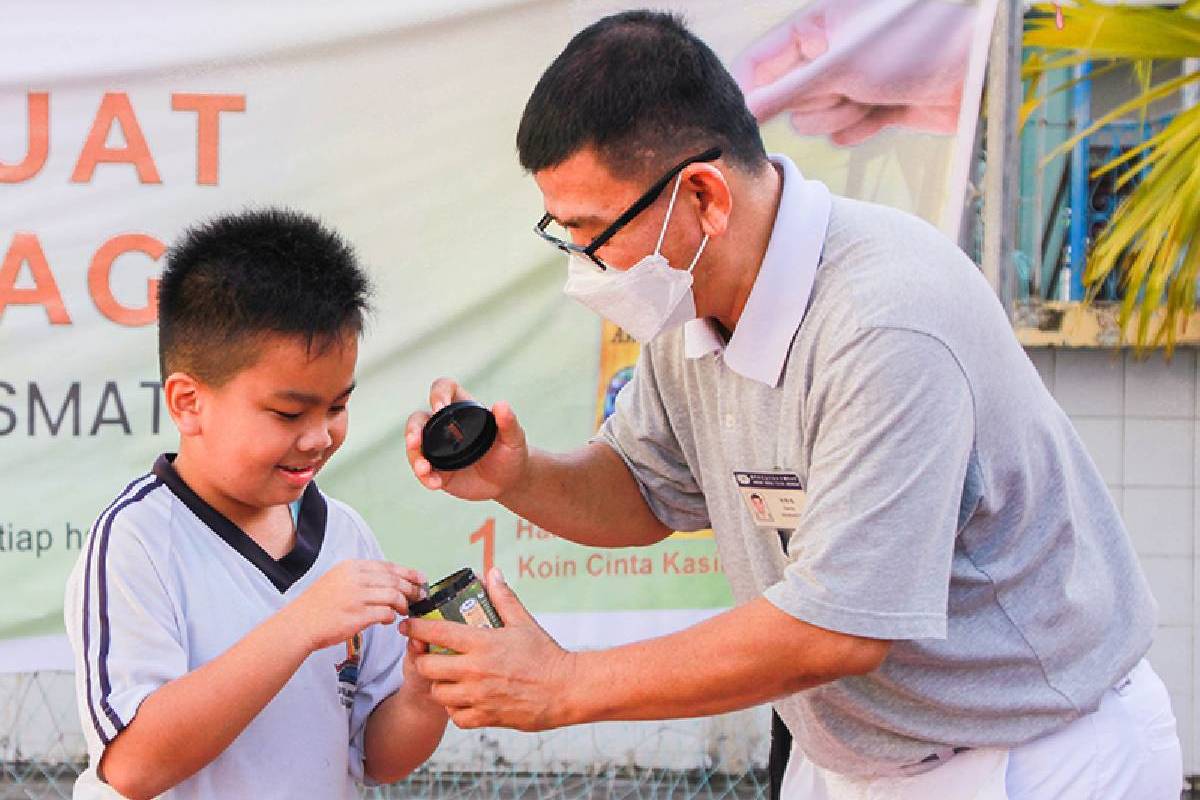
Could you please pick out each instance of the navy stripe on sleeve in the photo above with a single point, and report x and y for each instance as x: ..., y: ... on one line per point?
x: 100, y: 531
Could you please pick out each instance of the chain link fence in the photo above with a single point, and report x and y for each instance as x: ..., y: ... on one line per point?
x: 42, y: 750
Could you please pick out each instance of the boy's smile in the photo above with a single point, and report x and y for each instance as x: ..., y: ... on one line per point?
x: 259, y: 439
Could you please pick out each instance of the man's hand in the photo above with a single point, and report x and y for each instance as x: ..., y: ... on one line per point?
x: 352, y: 596
x: 501, y: 468
x: 513, y: 677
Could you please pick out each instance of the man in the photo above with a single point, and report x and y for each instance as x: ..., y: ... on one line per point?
x: 954, y: 609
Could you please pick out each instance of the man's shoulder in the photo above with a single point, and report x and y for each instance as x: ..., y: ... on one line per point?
x: 885, y: 268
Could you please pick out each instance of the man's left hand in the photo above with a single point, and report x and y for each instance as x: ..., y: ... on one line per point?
x: 514, y: 677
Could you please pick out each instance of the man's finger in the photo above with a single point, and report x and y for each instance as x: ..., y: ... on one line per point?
x: 508, y: 430
x: 445, y: 391
x: 450, y: 695
x: 412, y: 435
x: 467, y: 718
x: 451, y: 635
x: 441, y: 668
x: 512, y: 611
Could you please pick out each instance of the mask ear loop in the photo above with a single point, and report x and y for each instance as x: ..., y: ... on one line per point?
x: 703, y: 242
x: 663, y: 234
x: 670, y: 207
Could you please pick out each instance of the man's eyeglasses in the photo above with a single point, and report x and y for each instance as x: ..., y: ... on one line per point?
x: 639, y: 205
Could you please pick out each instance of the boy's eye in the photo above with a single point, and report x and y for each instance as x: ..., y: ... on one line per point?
x: 337, y: 409
x: 286, y: 415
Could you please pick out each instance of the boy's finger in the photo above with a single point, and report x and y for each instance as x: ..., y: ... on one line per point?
x: 385, y: 597
x: 411, y: 575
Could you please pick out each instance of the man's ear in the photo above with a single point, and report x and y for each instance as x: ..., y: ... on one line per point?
x: 707, y: 188
x: 184, y: 399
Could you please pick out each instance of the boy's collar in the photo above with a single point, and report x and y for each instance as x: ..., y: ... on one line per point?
x: 283, y: 573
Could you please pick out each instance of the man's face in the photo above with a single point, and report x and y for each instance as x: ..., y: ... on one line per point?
x: 269, y: 429
x: 584, y: 198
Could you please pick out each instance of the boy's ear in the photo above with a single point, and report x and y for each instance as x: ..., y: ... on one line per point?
x: 183, y: 398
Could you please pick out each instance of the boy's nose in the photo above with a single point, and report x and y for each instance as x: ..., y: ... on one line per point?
x: 316, y: 438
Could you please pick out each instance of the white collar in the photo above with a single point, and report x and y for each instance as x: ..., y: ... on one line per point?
x: 760, y: 344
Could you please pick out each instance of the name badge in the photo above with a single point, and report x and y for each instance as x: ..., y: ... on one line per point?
x: 775, y: 499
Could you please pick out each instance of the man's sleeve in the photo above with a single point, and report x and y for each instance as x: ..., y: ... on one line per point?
x: 125, y: 628
x: 641, y: 433
x: 892, y: 431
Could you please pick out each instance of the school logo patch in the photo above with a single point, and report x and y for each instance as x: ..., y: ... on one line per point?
x: 347, y: 670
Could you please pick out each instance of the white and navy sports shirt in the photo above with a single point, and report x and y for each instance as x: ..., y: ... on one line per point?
x: 166, y: 583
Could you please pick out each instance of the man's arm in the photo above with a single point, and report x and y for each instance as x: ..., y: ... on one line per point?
x: 587, y: 496
x: 178, y: 729
x: 749, y: 655
x: 518, y: 677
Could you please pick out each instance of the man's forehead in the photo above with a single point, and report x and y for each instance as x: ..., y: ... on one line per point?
x: 580, y: 190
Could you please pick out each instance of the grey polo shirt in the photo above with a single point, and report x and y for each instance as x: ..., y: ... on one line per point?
x: 951, y: 507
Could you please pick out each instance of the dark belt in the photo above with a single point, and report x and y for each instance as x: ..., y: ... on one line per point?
x: 781, y: 748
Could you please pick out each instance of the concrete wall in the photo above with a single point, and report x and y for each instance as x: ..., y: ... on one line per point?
x: 1140, y: 420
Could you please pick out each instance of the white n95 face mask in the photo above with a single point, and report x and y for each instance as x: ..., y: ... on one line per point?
x: 644, y: 300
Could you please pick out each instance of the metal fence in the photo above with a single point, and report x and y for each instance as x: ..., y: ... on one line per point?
x: 42, y: 750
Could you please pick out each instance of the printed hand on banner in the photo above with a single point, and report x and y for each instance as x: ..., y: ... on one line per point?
x: 510, y: 677
x: 499, y: 470
x: 847, y: 69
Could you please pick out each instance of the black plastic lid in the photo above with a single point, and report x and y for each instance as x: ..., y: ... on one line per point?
x: 458, y: 435
x: 442, y: 591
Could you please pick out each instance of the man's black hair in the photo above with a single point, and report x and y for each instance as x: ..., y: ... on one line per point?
x: 232, y: 279
x: 642, y: 90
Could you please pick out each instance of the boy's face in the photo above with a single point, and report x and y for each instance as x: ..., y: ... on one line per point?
x: 259, y: 439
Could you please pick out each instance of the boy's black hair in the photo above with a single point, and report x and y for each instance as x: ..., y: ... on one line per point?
x: 233, y: 278
x: 642, y: 90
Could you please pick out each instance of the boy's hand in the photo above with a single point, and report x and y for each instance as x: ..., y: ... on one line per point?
x: 352, y: 596
x: 500, y: 469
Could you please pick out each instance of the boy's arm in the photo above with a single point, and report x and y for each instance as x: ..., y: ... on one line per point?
x: 186, y: 723
x: 404, y: 730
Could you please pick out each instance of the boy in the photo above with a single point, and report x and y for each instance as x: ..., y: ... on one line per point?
x: 232, y: 625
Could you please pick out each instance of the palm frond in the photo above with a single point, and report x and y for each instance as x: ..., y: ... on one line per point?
x: 1153, y: 238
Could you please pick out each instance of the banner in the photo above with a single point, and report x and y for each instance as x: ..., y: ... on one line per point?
x: 394, y: 122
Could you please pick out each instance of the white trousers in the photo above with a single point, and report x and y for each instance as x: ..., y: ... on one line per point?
x: 1127, y: 749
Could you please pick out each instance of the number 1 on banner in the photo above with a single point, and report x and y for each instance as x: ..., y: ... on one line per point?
x: 487, y: 533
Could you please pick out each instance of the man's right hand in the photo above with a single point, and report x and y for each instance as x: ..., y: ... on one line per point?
x: 500, y: 470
